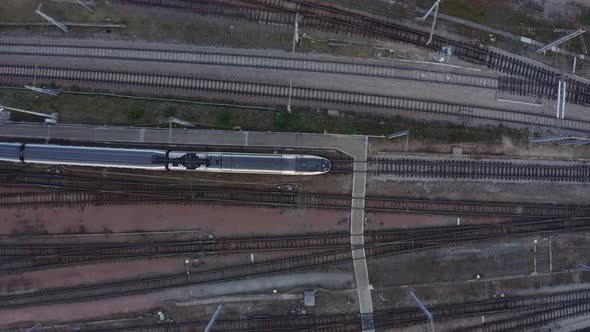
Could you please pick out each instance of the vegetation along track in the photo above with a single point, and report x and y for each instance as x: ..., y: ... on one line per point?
x: 536, y: 80
x: 279, y: 93
x: 255, y: 60
x: 290, y: 264
x: 76, y: 191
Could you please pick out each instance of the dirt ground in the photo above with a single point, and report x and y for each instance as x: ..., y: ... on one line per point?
x: 88, y: 274
x: 489, y: 259
x: 220, y: 220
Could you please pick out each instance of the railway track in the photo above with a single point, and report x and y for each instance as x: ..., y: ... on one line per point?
x: 330, y: 323
x: 378, y: 244
x: 538, y: 81
x: 80, y: 191
x: 386, y: 318
x: 478, y: 169
x: 568, y: 310
x: 278, y: 93
x: 255, y: 60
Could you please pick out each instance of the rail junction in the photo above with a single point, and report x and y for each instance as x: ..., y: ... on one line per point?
x: 355, y: 146
x: 361, y: 175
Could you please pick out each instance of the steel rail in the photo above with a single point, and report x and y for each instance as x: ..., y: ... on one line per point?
x: 481, y: 169
x: 76, y: 191
x: 539, y: 81
x: 228, y: 58
x: 397, y: 317
x: 275, y: 93
x: 20, y: 256
x: 282, y: 265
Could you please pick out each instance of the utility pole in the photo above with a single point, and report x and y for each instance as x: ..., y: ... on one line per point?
x: 561, y: 95
x: 295, y: 33
x: 550, y: 255
x: 49, y: 118
x: 213, y: 318
x: 51, y: 19
x: 34, y: 328
x: 52, y: 92
x: 84, y: 5
x: 423, y: 308
x: 290, y: 94
x: 423, y: 18
x: 570, y: 34
x: 535, y: 256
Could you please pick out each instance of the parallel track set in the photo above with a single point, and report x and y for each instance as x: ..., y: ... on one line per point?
x: 325, y: 249
x: 536, y: 80
x: 78, y: 191
x: 255, y: 60
x: 278, y: 93
x: 21, y: 257
x: 533, y: 311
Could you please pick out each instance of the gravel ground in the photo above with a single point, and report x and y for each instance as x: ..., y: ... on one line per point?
x: 383, y: 221
x: 531, y: 192
x: 489, y: 259
x: 88, y: 274
x: 373, y: 85
x: 133, y: 305
x: 507, y: 148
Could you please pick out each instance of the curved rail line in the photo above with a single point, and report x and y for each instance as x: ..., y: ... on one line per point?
x: 229, y: 58
x: 541, y: 81
x: 285, y: 265
x: 278, y: 92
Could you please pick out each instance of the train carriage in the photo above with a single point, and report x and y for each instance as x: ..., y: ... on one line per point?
x: 220, y: 162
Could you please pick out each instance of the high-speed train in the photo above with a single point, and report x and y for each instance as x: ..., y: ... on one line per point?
x: 220, y: 162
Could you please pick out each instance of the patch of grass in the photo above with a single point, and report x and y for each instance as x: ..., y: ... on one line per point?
x: 170, y: 111
x: 120, y: 111
x: 135, y: 114
x: 584, y: 20
x: 470, y: 10
x: 223, y: 119
x: 283, y: 121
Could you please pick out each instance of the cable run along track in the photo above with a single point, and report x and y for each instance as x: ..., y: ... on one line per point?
x: 535, y: 80
x: 279, y: 93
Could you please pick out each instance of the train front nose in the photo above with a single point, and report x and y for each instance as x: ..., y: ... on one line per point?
x: 325, y: 165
